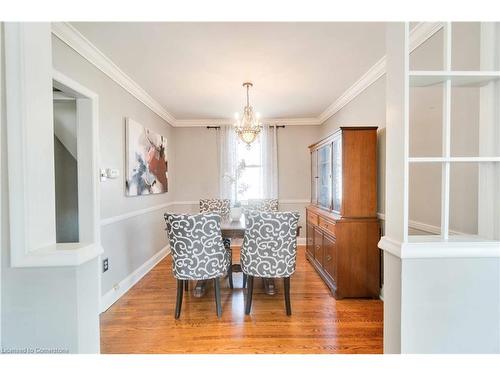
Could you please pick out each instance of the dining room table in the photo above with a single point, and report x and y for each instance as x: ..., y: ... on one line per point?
x: 235, y: 229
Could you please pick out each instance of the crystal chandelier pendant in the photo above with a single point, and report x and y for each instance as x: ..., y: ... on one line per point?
x: 248, y: 128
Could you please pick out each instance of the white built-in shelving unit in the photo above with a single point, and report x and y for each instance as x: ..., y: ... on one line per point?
x: 488, y: 159
x: 442, y: 276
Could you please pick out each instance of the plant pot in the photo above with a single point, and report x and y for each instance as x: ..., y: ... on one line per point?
x: 236, y: 213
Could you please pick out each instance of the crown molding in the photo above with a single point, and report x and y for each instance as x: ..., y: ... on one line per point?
x: 418, y: 35
x: 373, y: 74
x: 74, y: 39
x: 423, y: 31
x: 191, y: 123
x: 299, y: 121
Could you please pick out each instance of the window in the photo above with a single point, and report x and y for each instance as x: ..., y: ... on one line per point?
x: 249, y: 175
x: 248, y: 172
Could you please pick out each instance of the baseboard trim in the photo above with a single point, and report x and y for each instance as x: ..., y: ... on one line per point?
x: 124, y: 286
x: 301, y: 241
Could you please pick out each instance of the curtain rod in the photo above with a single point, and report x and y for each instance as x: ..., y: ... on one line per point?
x: 271, y: 126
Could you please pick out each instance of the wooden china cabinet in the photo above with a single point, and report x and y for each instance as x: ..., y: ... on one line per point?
x: 342, y: 226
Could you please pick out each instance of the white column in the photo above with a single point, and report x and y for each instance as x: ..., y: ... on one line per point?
x: 489, y: 136
x: 396, y: 225
x: 30, y: 136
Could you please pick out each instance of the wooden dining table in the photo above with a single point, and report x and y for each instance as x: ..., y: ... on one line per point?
x: 235, y: 229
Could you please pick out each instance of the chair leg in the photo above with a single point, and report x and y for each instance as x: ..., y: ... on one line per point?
x: 178, y: 303
x: 230, y: 276
x: 186, y: 285
x: 217, y: 297
x: 249, y: 295
x: 288, y: 306
x: 244, y: 280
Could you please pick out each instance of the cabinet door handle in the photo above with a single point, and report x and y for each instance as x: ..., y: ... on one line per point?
x: 328, y: 258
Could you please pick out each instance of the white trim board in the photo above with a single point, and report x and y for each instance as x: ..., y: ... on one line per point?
x: 75, y: 40
x: 128, y: 215
x: 427, y: 247
x: 428, y: 228
x: 131, y: 214
x: 282, y: 201
x: 126, y: 284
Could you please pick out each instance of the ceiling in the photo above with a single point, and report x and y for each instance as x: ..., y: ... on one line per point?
x: 195, y: 70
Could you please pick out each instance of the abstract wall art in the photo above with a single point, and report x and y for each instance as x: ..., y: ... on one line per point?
x: 146, y: 159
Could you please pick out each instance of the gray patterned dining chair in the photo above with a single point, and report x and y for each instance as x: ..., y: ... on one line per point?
x: 269, y: 250
x: 222, y: 207
x: 266, y: 205
x: 197, y: 252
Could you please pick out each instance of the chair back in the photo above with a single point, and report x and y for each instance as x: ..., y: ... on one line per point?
x: 196, y: 245
x: 266, y: 205
x: 220, y: 206
x: 270, y: 244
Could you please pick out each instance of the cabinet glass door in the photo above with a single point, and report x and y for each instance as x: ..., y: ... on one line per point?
x: 314, y: 177
x: 325, y: 176
x: 337, y: 173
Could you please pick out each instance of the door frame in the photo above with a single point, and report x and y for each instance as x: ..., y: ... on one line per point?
x: 87, y: 130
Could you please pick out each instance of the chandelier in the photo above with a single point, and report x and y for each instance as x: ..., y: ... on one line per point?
x: 248, y: 127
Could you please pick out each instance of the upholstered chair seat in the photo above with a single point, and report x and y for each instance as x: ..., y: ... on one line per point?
x: 198, y: 252
x: 222, y: 207
x: 269, y: 249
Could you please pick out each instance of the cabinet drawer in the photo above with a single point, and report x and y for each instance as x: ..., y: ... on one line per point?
x: 312, y: 218
x: 328, y: 226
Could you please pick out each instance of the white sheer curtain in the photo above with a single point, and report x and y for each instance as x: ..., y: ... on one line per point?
x: 269, y: 158
x: 227, y: 162
x: 229, y: 157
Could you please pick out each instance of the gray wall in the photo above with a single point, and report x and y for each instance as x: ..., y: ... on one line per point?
x: 368, y: 108
x: 131, y: 242
x: 198, y: 169
x: 66, y: 175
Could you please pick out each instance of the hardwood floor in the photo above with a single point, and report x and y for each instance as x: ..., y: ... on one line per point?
x: 142, y: 321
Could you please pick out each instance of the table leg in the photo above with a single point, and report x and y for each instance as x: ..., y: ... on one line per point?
x: 269, y: 286
x: 200, y: 288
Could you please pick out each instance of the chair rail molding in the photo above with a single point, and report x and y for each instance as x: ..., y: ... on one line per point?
x: 131, y: 214
x: 128, y: 215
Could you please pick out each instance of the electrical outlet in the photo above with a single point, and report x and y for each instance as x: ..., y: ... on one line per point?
x: 105, y: 265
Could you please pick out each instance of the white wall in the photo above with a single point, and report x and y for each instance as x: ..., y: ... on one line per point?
x: 450, y: 305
